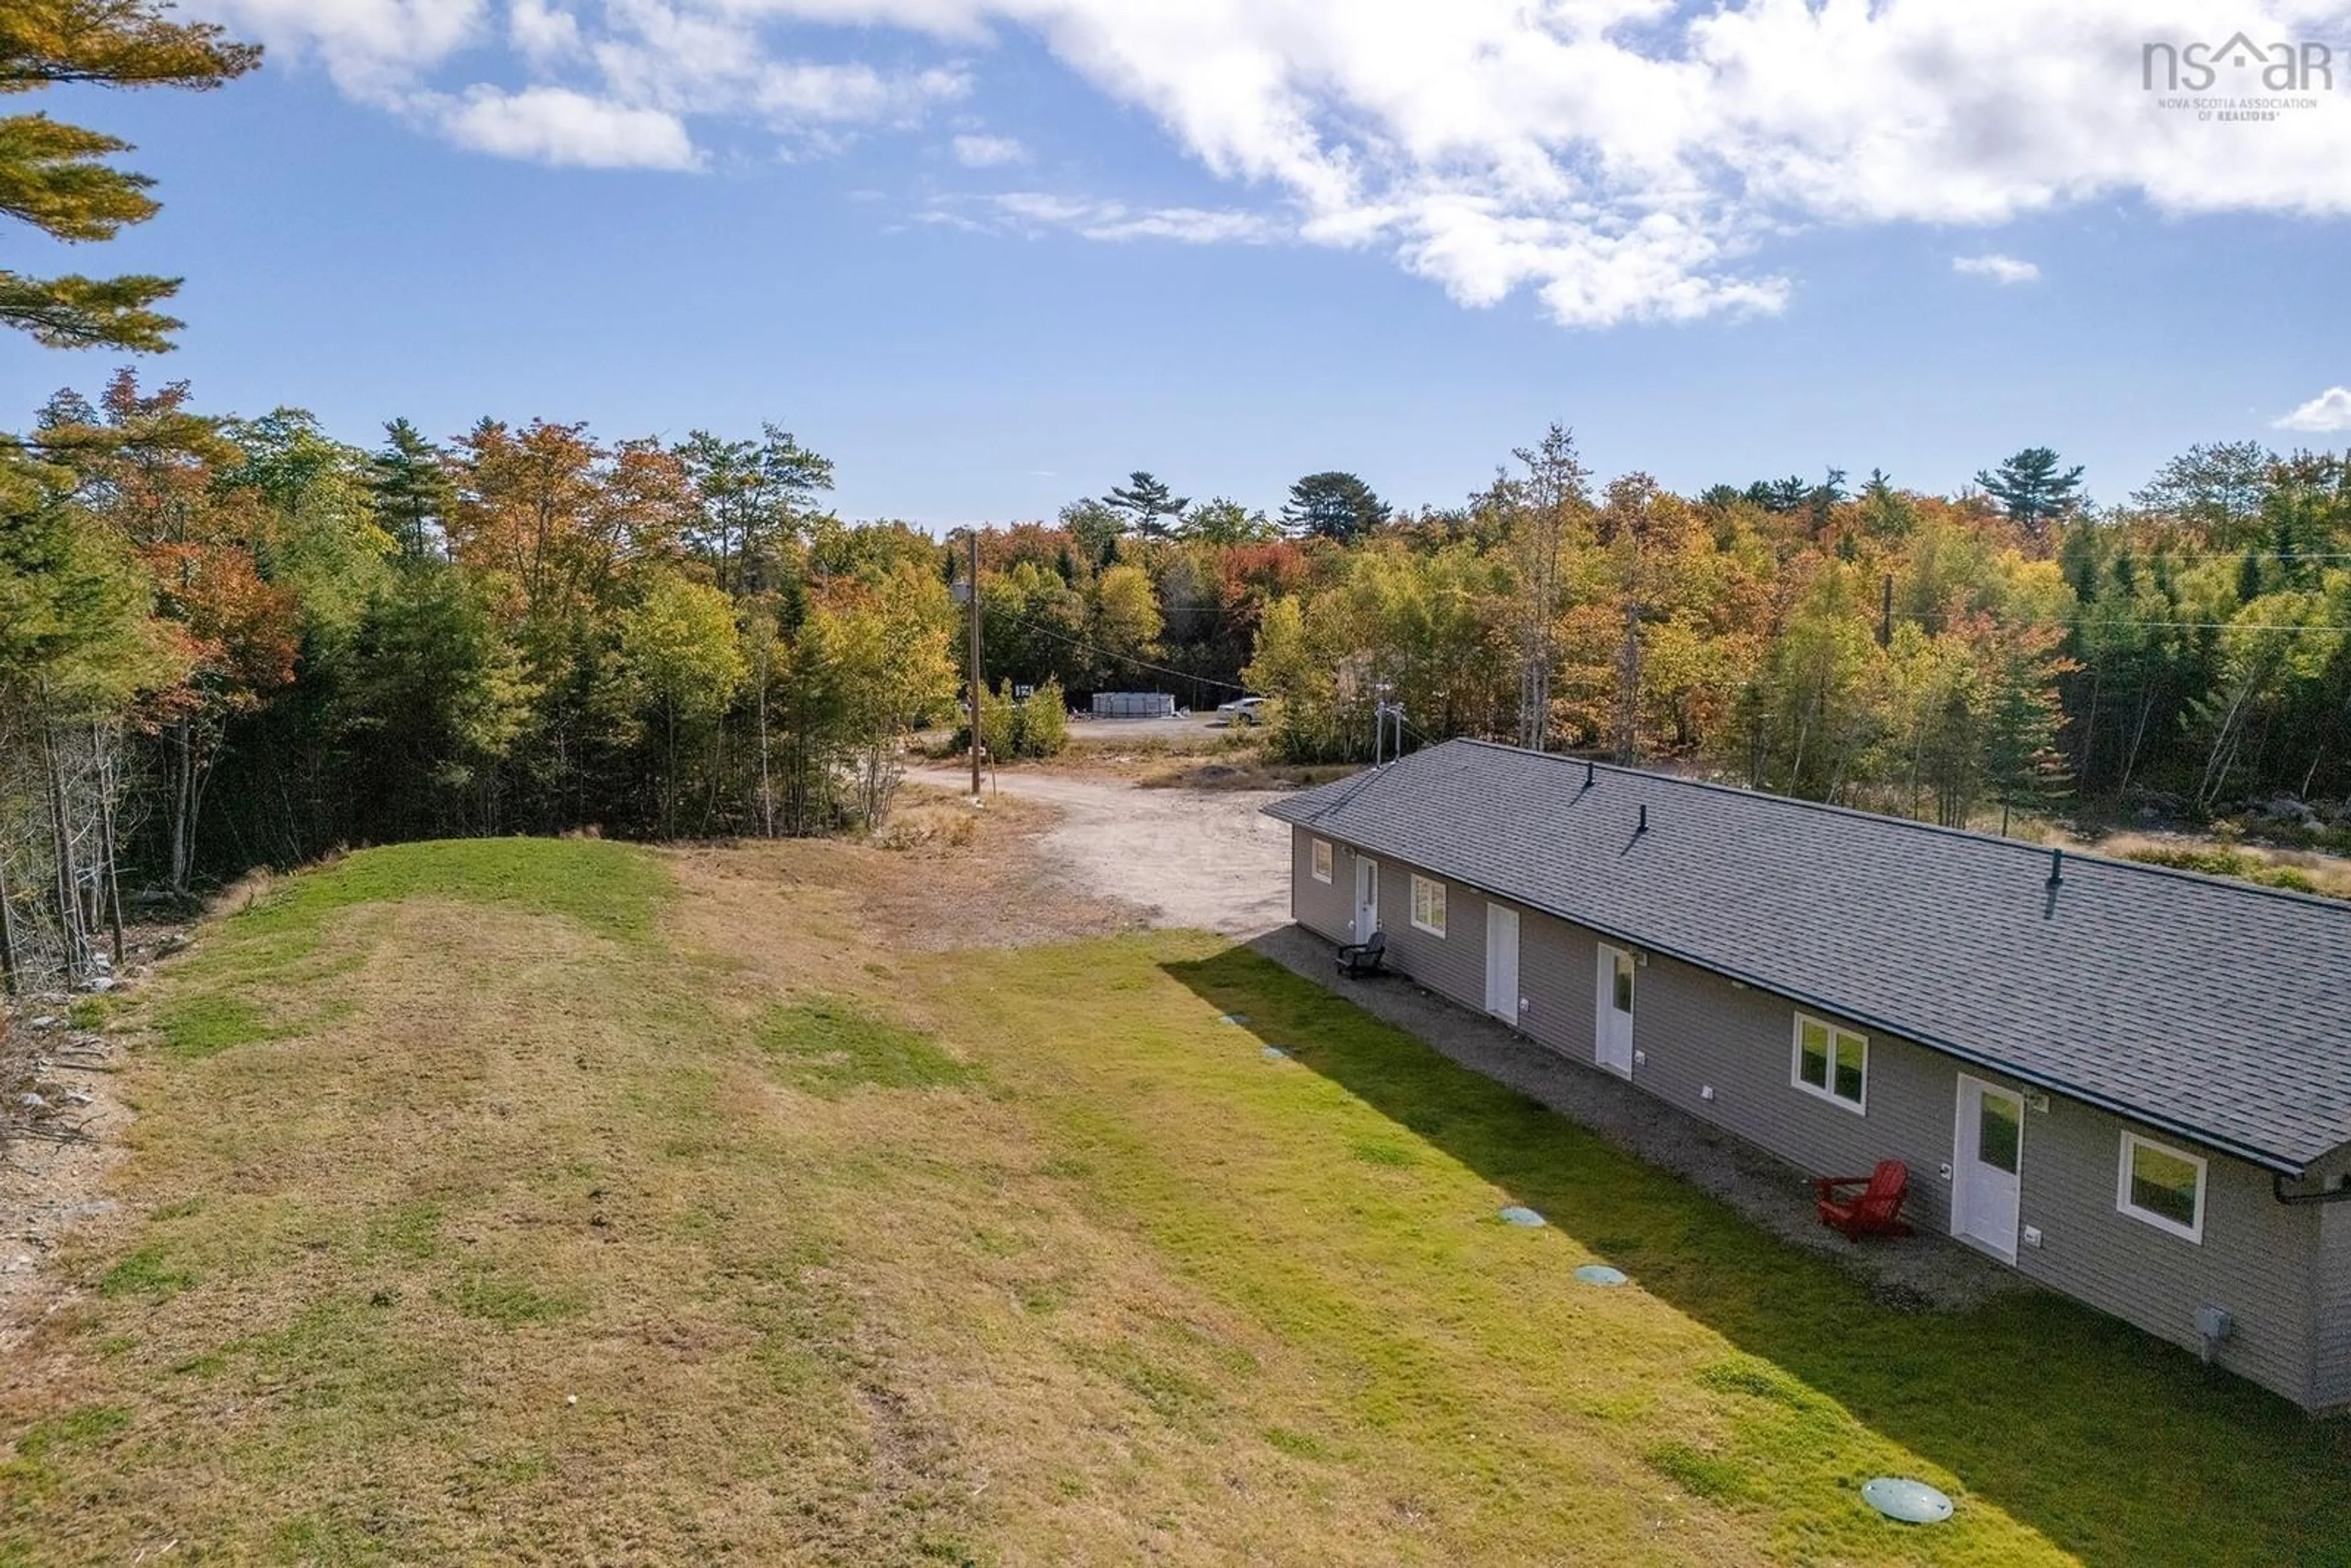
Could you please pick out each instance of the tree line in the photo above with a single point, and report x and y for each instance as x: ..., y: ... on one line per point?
x: 1935, y: 655
x: 1932, y: 655
x: 230, y: 642
x: 227, y: 642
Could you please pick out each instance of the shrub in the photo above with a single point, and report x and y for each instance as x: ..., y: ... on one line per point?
x: 1045, y: 722
x: 1034, y: 725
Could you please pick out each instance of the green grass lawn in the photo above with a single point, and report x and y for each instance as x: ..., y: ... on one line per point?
x: 483, y: 1203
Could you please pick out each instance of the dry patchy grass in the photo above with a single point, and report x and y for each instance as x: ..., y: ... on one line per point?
x: 1243, y: 773
x: 2297, y: 870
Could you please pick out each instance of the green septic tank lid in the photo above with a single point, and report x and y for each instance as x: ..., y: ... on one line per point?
x: 1912, y: 1502
x: 1515, y: 1215
x: 1601, y: 1274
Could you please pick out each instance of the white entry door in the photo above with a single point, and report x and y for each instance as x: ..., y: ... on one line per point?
x: 1613, y: 1026
x: 1367, y: 898
x: 1502, y: 963
x: 1989, y: 1152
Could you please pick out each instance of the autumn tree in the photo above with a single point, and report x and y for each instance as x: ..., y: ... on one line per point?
x: 1122, y: 623
x: 78, y: 652
x: 1034, y: 625
x: 162, y: 478
x: 2217, y: 487
x: 1886, y: 512
x: 674, y: 667
x: 56, y: 177
x: 1093, y: 526
x: 1225, y: 521
x: 523, y: 520
x: 1434, y: 630
x: 871, y: 663
x: 1543, y: 510
x: 749, y: 496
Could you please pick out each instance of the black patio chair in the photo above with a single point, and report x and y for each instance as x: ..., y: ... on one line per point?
x: 1358, y: 958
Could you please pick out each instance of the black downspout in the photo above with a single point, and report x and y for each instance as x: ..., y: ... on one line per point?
x: 2339, y: 1192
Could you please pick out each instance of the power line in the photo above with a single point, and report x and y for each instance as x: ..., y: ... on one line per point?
x: 2204, y: 626
x: 1101, y: 653
x: 2159, y: 554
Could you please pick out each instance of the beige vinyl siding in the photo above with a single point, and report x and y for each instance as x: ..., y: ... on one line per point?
x: 1694, y: 1029
x: 1325, y: 908
x: 2330, y: 1379
x: 2256, y: 1259
x: 1557, y: 966
x: 1453, y: 965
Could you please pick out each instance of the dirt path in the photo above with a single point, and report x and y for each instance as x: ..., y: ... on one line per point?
x: 1193, y: 857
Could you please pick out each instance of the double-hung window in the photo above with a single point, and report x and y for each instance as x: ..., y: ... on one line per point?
x: 1831, y: 1063
x: 1321, y: 860
x: 1428, y: 905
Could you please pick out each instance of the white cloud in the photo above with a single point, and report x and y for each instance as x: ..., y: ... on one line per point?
x: 988, y: 151
x: 556, y: 125
x: 543, y: 33
x: 1998, y: 267
x: 1621, y: 160
x: 798, y: 92
x: 369, y: 47
x: 2329, y: 410
x: 1035, y: 212
x: 617, y: 91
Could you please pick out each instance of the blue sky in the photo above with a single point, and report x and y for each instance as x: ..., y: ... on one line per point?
x: 360, y: 237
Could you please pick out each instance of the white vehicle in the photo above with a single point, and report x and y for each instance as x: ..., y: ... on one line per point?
x: 1241, y: 710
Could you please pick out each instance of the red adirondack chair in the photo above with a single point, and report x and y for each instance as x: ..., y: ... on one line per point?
x: 1875, y: 1209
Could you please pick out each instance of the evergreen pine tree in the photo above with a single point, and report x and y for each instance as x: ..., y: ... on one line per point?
x: 1334, y: 506
x: 53, y: 175
x: 413, y: 491
x: 2032, y: 492
x: 1146, y: 503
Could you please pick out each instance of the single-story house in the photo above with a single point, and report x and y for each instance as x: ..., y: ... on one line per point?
x: 2131, y: 1083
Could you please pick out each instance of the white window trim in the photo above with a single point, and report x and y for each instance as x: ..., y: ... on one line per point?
x: 1321, y: 859
x: 2163, y: 1222
x: 1796, y: 1065
x: 1436, y: 893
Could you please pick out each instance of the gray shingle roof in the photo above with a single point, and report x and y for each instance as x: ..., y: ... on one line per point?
x: 2219, y: 1010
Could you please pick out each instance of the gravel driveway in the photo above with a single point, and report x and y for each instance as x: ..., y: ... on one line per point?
x: 1204, y: 858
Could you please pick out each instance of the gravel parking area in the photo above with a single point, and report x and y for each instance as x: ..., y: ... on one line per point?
x: 1198, y: 858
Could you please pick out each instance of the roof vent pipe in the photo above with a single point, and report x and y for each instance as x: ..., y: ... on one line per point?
x: 1588, y: 779
x: 1644, y: 820
x: 2056, y: 867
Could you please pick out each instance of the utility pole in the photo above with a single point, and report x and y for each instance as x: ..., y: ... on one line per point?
x: 1383, y: 710
x: 971, y: 585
